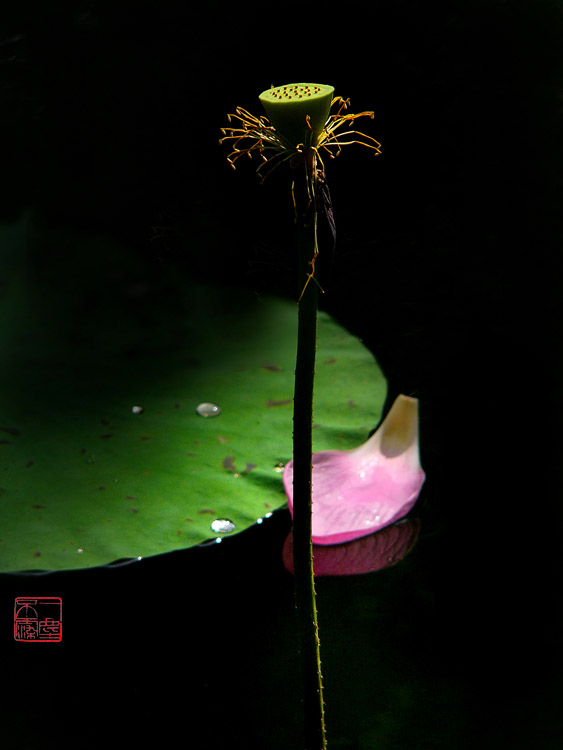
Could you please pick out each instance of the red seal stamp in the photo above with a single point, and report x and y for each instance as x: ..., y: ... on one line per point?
x: 38, y: 619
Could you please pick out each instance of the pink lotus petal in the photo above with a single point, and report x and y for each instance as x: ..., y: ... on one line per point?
x: 366, y: 555
x: 360, y: 491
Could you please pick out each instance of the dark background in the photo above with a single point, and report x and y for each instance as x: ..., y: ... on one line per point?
x: 448, y: 265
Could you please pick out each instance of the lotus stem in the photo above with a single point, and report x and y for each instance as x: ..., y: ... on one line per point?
x: 298, y: 131
x: 305, y: 596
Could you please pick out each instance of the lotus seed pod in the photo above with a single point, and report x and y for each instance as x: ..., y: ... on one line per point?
x: 289, y: 106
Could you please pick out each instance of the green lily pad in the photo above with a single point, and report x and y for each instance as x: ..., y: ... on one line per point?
x: 103, y: 455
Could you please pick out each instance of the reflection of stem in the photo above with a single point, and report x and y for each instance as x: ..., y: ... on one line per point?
x: 306, y: 215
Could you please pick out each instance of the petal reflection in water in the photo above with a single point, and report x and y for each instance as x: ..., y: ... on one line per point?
x: 366, y: 555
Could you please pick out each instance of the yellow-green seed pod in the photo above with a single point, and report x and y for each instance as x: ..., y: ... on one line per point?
x: 289, y: 106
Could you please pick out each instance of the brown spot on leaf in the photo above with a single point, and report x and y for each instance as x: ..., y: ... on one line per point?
x: 249, y: 467
x: 107, y: 435
x: 133, y: 510
x: 229, y: 464
x: 11, y: 431
x: 272, y: 368
x: 330, y: 361
x: 5, y: 442
x: 222, y: 439
x: 267, y: 505
x: 38, y: 507
x: 146, y: 437
x: 101, y: 487
x: 37, y: 554
x: 131, y: 497
x: 283, y: 402
x: 28, y: 464
x: 207, y: 510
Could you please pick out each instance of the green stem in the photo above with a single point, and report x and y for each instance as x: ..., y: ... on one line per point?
x: 315, y: 737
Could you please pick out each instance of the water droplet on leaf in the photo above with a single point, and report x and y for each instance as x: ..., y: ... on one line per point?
x: 137, y: 410
x: 222, y: 526
x: 208, y: 410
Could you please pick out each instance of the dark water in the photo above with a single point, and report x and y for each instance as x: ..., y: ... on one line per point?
x: 447, y: 264
x: 199, y: 647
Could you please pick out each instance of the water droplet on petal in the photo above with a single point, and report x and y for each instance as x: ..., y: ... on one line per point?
x: 137, y: 410
x: 208, y: 410
x: 222, y: 526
